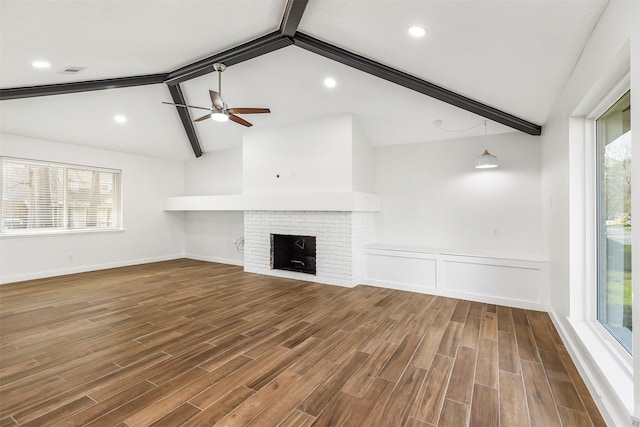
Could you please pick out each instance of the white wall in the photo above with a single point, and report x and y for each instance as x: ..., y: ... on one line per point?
x: 604, y: 58
x: 314, y: 156
x: 217, y: 172
x: 363, y: 160
x: 150, y: 233
x: 433, y: 197
x: 210, y: 235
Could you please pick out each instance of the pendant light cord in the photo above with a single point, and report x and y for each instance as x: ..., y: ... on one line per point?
x: 438, y: 124
x: 486, y: 159
x: 486, y: 138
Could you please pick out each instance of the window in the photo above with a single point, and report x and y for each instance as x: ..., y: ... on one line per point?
x: 613, y: 220
x: 42, y: 197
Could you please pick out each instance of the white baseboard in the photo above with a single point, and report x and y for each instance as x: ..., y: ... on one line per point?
x: 611, y: 407
x: 220, y: 260
x: 84, y: 268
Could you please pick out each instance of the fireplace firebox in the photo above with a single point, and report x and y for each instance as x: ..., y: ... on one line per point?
x: 293, y: 253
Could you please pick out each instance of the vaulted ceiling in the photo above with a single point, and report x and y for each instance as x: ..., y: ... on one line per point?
x: 507, y: 58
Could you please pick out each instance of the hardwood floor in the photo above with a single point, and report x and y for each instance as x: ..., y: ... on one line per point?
x: 196, y: 344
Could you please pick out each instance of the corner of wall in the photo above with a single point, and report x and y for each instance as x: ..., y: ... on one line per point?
x: 362, y: 159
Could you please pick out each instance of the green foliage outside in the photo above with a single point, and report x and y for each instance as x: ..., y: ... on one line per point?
x: 628, y: 297
x: 619, y: 290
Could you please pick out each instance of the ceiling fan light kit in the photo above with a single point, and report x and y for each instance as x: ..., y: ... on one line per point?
x: 219, y: 117
x: 219, y: 111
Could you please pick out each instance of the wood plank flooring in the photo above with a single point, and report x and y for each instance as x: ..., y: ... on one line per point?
x: 190, y: 343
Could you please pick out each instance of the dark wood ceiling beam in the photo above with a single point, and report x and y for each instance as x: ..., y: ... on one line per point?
x: 75, y: 87
x: 414, y: 83
x: 185, y: 117
x: 235, y: 55
x: 292, y: 16
x: 252, y: 49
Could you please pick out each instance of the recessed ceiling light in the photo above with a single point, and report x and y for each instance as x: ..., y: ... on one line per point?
x: 416, y: 31
x: 329, y: 82
x: 120, y: 118
x: 40, y: 64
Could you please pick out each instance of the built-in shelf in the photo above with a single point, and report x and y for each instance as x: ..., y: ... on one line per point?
x: 516, y: 280
x: 350, y: 201
x: 513, y: 256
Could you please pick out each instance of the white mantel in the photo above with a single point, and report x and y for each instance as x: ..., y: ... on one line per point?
x: 348, y: 201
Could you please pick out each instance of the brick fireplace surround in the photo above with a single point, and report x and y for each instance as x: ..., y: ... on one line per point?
x: 340, y: 237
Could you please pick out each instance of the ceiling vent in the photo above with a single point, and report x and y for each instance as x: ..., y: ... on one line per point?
x: 71, y: 69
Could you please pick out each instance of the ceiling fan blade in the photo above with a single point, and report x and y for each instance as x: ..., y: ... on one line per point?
x: 186, y: 106
x: 249, y: 110
x: 203, y: 118
x: 216, y: 99
x: 239, y: 120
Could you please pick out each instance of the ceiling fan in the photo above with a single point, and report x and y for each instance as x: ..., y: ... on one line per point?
x: 219, y: 111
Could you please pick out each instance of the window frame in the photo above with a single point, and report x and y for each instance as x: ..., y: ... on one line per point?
x: 606, y: 363
x: 616, y: 349
x: 66, y: 229
x: 600, y: 276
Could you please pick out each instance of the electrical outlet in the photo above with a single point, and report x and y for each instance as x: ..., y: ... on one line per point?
x: 69, y: 258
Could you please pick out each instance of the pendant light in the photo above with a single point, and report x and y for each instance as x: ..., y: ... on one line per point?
x: 486, y: 160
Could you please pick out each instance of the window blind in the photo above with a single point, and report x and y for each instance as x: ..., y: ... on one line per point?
x: 42, y: 196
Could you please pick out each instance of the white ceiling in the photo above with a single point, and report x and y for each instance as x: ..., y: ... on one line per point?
x: 118, y: 38
x: 514, y: 55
